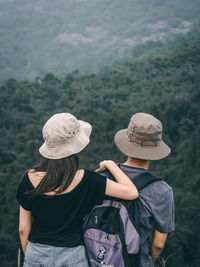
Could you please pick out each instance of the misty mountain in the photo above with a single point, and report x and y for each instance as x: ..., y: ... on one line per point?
x: 165, y: 86
x: 37, y: 37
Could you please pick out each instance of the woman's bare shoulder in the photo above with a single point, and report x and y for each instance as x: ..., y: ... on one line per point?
x: 35, y: 177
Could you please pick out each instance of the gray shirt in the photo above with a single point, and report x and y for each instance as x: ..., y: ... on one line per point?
x: 156, y: 206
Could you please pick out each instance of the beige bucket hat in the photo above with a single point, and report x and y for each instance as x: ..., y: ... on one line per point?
x: 64, y: 135
x: 143, y: 138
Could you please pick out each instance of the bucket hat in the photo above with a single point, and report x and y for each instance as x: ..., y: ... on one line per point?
x: 143, y: 138
x: 64, y: 135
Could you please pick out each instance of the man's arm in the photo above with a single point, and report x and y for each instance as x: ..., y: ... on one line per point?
x: 24, y: 227
x: 157, y: 245
x: 163, y: 213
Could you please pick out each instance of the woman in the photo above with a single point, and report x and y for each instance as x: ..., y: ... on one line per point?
x: 57, y: 195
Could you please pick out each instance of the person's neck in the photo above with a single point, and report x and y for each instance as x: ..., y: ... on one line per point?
x: 137, y: 163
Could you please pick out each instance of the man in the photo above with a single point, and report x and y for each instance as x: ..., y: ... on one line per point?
x: 142, y: 142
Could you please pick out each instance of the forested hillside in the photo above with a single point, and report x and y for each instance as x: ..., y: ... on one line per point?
x: 165, y: 86
x: 61, y: 36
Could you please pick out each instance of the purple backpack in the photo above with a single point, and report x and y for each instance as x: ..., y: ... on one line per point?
x: 111, y: 232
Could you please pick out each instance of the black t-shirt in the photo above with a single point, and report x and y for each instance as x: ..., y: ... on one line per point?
x: 58, y: 219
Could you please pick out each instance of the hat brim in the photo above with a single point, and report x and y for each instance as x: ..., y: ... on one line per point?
x: 141, y: 152
x: 78, y: 143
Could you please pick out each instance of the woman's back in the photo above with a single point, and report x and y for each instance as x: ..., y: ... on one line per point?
x: 58, y: 219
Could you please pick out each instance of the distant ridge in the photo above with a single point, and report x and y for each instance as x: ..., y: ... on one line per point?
x: 38, y: 37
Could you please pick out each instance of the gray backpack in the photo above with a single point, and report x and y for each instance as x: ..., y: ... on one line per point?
x: 111, y: 230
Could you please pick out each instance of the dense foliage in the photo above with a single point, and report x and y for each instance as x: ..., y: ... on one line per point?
x: 60, y: 36
x: 166, y: 86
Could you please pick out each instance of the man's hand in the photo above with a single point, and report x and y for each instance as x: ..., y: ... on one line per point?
x: 158, y: 244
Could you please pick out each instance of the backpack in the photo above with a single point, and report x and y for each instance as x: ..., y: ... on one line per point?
x: 111, y: 230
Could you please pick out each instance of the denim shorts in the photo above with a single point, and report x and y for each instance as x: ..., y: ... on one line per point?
x: 38, y: 255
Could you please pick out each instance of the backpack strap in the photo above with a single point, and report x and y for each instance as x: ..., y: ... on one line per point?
x: 144, y: 179
x: 140, y: 181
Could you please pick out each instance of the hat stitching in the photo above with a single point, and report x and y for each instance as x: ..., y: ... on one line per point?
x: 135, y: 137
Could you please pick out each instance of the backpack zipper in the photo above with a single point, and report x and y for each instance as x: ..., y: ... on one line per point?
x: 96, y: 219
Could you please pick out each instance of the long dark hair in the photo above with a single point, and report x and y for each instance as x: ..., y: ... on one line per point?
x: 59, y: 174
